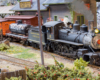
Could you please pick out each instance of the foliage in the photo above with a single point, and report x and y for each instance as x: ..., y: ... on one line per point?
x: 16, y: 50
x: 71, y: 12
x: 3, y: 47
x: 14, y: 78
x: 58, y: 72
x: 20, y: 52
x: 80, y: 64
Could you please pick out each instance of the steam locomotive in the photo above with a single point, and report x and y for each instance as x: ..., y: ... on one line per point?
x: 77, y: 41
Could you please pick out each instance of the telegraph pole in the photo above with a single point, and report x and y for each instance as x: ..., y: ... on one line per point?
x: 40, y: 32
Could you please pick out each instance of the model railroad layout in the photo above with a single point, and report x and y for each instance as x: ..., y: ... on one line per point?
x: 74, y: 41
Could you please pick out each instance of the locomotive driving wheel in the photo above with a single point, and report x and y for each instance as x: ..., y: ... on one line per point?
x: 55, y: 48
x: 65, y: 49
x: 59, y: 48
x: 71, y: 50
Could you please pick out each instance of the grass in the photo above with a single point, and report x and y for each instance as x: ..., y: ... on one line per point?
x: 20, y: 52
x: 16, y: 50
x: 25, y: 56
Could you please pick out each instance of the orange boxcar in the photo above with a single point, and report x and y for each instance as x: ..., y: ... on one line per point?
x: 26, y: 19
x: 4, y: 25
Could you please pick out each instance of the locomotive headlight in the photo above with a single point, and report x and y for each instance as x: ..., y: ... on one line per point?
x: 98, y: 41
x: 96, y: 31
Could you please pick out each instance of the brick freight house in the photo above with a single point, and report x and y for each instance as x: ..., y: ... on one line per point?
x: 92, y: 5
x: 56, y: 9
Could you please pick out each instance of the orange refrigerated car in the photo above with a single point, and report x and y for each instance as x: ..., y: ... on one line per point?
x: 4, y: 25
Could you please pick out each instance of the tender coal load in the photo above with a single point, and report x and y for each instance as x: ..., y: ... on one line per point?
x: 19, y: 28
x: 83, y: 28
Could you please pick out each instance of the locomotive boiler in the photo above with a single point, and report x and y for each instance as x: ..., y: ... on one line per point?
x: 80, y: 34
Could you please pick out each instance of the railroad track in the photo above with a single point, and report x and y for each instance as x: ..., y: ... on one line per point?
x: 20, y: 62
x: 31, y: 64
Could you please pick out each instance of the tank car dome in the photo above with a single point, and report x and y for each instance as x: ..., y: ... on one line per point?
x: 76, y: 26
x: 83, y: 28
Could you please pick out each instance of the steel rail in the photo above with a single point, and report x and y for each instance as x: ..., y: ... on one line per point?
x: 20, y: 62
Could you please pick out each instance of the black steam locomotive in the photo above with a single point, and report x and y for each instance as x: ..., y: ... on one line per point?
x: 77, y: 41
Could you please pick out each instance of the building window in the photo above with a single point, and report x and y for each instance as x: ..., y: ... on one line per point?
x: 80, y: 19
x: 55, y: 18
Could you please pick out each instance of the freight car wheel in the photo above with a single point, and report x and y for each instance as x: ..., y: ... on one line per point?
x: 22, y: 42
x: 26, y: 43
x: 48, y: 48
x: 44, y: 48
x: 10, y: 39
x: 33, y: 44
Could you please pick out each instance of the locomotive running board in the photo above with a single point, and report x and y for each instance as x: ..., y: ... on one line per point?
x: 68, y: 42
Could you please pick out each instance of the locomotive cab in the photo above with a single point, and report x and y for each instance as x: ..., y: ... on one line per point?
x: 52, y: 29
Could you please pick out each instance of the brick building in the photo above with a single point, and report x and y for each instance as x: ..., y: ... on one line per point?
x: 92, y: 5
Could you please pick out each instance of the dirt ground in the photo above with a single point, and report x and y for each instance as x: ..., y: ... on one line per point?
x: 48, y: 59
x: 9, y: 66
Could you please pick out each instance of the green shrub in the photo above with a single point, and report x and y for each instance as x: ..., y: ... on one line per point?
x: 14, y: 78
x: 80, y: 63
x: 58, y: 72
x: 3, y: 47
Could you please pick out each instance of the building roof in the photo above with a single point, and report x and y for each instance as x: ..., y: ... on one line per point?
x: 20, y: 17
x: 6, y: 2
x: 5, y: 10
x: 3, y: 3
x: 2, y: 20
x: 33, y: 6
x: 48, y: 2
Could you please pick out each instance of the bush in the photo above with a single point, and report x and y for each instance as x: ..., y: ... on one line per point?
x: 3, y: 47
x: 14, y: 78
x: 80, y: 64
x: 58, y: 72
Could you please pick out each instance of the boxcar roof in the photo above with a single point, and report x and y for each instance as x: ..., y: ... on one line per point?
x: 48, y: 2
x: 52, y: 23
x: 2, y: 20
x: 20, y: 17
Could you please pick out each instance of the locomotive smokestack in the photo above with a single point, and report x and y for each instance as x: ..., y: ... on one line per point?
x: 91, y: 25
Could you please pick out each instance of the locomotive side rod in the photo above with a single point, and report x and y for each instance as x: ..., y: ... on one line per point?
x: 40, y: 33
